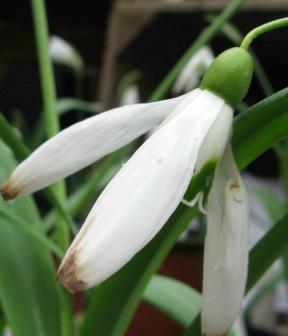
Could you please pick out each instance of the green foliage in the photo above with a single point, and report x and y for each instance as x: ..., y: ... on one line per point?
x: 28, y: 290
x: 176, y: 299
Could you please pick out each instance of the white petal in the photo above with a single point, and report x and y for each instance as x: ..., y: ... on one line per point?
x: 141, y: 197
x: 84, y: 143
x: 193, y: 70
x: 63, y: 52
x: 130, y: 95
x: 216, y: 140
x: 226, y: 249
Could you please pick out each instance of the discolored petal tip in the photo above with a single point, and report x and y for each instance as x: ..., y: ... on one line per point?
x: 8, y: 190
x: 67, y: 276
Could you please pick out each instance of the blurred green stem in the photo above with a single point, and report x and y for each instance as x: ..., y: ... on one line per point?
x: 49, y: 98
x: 281, y: 150
x: 52, y: 124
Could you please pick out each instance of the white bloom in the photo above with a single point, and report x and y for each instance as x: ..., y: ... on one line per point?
x: 130, y: 95
x: 191, y: 73
x: 146, y: 191
x: 226, y: 249
x: 142, y: 196
x: 64, y: 53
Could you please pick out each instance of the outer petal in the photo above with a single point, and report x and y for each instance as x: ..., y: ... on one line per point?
x: 85, y: 142
x: 226, y: 249
x: 141, y: 197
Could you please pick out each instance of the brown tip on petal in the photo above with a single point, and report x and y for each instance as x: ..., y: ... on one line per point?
x: 66, y: 275
x: 7, y: 191
x: 234, y: 185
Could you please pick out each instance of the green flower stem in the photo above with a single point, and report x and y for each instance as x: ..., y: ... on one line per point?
x: 204, y: 37
x: 231, y: 32
x: 49, y: 98
x: 45, y: 65
x: 267, y: 27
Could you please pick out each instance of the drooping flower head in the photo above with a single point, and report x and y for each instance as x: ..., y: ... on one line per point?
x: 62, y: 52
x: 194, y: 130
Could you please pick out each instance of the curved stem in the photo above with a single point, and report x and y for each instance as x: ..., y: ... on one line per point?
x: 231, y: 32
x: 258, y: 31
x: 204, y: 37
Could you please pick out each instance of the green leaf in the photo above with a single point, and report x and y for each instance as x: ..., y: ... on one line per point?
x: 271, y: 202
x: 260, y: 127
x: 262, y: 290
x: 115, y: 300
x: 28, y: 290
x: 176, y: 299
x: 65, y: 105
x: 26, y: 206
x: 267, y: 250
x: 35, y: 232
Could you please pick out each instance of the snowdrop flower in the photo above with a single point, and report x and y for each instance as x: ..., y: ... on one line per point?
x: 194, y: 131
x: 64, y: 53
x: 193, y: 70
x: 130, y: 95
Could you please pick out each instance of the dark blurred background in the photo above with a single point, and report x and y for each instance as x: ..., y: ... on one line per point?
x: 115, y: 37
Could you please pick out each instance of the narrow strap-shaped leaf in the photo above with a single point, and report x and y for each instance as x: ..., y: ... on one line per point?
x: 174, y: 298
x: 274, y: 206
x: 28, y: 291
x: 267, y: 250
x: 262, y: 291
x: 260, y: 127
x: 114, y: 301
x: 34, y: 232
